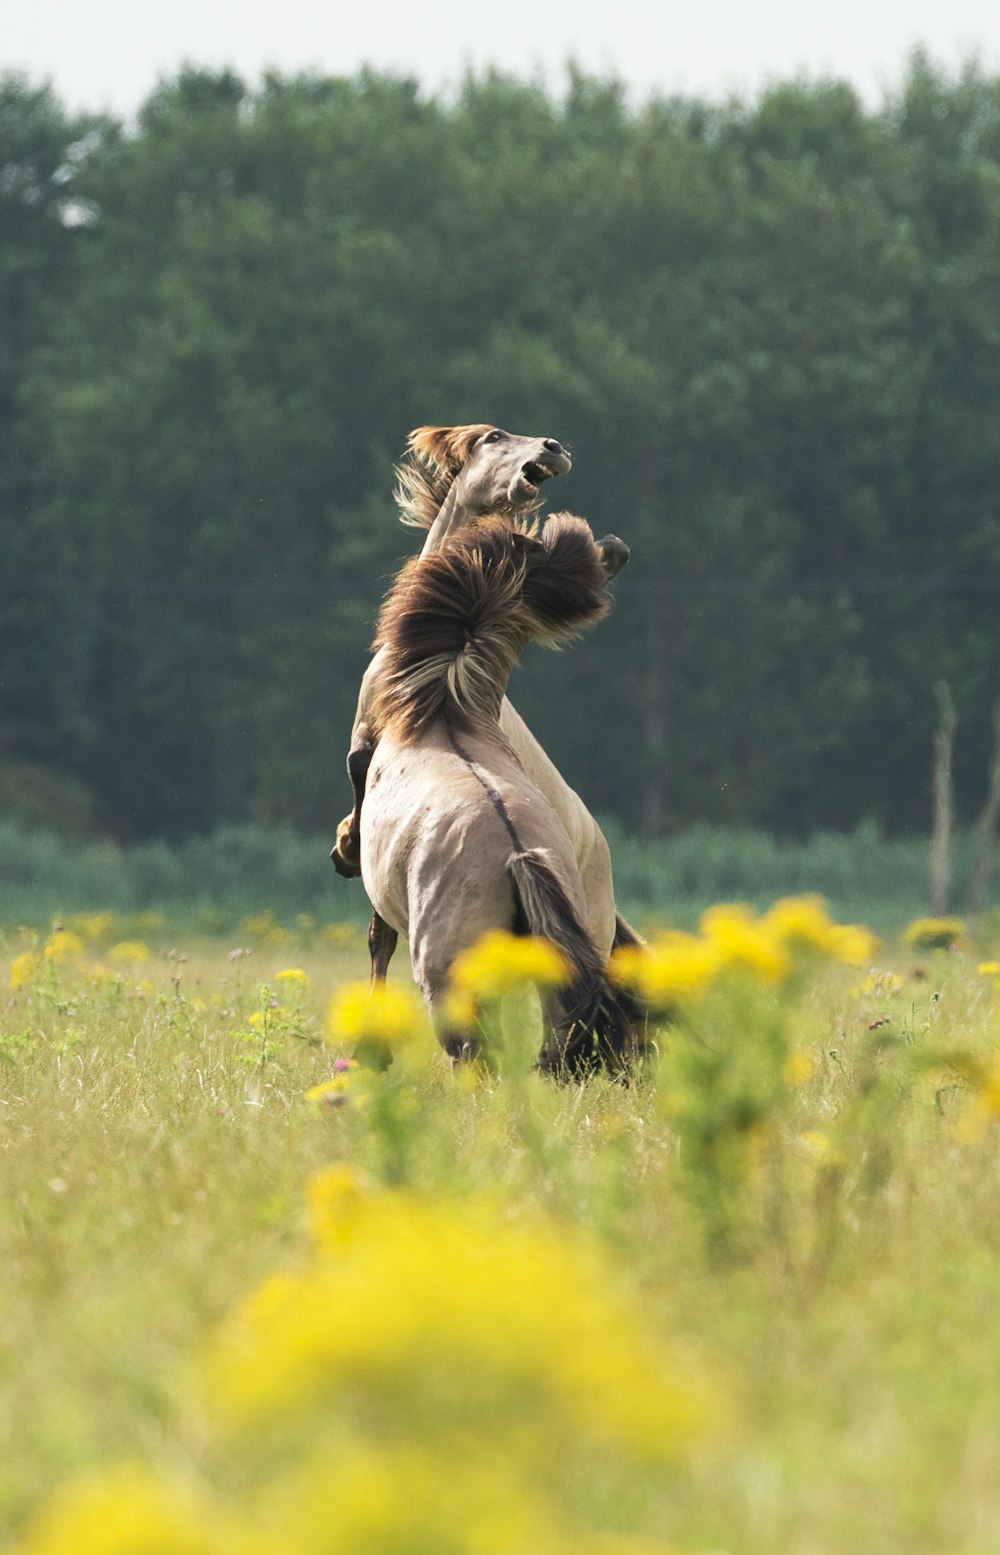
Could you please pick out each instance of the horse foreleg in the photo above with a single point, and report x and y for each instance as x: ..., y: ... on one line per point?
x: 382, y: 942
x: 346, y: 851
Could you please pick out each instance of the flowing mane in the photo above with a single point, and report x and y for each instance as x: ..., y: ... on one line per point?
x: 454, y: 623
x: 433, y: 458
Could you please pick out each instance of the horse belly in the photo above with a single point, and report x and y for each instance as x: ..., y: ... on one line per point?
x: 390, y: 828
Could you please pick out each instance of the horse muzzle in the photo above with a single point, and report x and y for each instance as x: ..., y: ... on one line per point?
x: 549, y: 459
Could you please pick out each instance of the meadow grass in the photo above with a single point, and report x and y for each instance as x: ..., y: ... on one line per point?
x: 795, y: 1202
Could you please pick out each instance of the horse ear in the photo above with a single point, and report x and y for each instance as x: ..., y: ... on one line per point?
x: 428, y: 444
x: 447, y: 448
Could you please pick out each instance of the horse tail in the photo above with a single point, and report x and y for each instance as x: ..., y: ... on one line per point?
x: 625, y: 934
x: 592, y: 1022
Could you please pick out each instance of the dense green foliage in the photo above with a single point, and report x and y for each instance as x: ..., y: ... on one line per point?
x: 213, y: 883
x: 769, y: 331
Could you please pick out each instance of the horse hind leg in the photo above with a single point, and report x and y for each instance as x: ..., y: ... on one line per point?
x: 382, y: 942
x: 457, y: 1029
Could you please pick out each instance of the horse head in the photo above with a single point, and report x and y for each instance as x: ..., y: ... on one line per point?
x: 474, y: 470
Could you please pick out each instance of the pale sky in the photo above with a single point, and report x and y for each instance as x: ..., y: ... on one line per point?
x: 108, y: 54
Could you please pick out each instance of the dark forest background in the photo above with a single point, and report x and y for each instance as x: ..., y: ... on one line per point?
x: 770, y: 332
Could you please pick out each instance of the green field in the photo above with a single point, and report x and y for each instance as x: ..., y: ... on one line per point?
x: 746, y: 1304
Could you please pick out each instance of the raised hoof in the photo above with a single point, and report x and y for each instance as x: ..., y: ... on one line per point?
x: 346, y: 852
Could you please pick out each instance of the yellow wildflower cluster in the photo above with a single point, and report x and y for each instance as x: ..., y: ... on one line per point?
x: 387, y: 1013
x: 342, y: 936
x: 677, y: 967
x: 339, y: 1398
x: 500, y: 962
x: 265, y: 929
x: 672, y: 969
x: 935, y: 933
x: 63, y: 945
x: 130, y: 952
x: 409, y: 1297
x: 292, y: 978
x: 985, y: 1108
x: 129, y: 1510
x: 95, y: 927
x: 24, y: 969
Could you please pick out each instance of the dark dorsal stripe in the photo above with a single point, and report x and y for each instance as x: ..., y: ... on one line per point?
x: 493, y: 794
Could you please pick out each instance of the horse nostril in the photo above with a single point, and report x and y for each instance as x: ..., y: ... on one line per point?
x: 551, y: 446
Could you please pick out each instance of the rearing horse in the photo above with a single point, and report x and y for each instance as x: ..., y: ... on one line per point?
x: 457, y: 838
x: 453, y: 476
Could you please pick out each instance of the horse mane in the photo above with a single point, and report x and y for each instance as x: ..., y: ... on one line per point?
x: 433, y: 458
x: 454, y: 622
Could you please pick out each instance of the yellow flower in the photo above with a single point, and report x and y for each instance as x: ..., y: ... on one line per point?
x: 852, y: 943
x: 801, y: 921
x: 342, y: 936
x: 61, y: 945
x: 269, y: 1016
x: 385, y: 1013
x: 292, y: 976
x: 264, y: 927
x: 130, y: 952
x: 500, y: 962
x: 989, y: 968
x: 94, y: 926
x: 406, y: 1497
x: 934, y: 933
x: 329, y: 1093
x: 334, y: 1200
x: 124, y: 1511
x: 460, y: 1009
x: 985, y: 1107
x: 674, y: 968
x: 259, y: 925
x: 407, y: 1298
x: 23, y: 969
x: 744, y: 942
x: 798, y: 1069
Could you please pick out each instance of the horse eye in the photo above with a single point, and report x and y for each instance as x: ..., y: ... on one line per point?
x: 494, y: 436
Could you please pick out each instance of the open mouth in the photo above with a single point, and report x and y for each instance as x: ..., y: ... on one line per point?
x: 533, y: 473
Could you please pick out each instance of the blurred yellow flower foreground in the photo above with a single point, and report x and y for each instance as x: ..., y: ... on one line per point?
x: 434, y: 1377
x: 676, y: 968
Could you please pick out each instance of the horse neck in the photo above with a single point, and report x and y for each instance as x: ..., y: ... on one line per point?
x: 452, y: 515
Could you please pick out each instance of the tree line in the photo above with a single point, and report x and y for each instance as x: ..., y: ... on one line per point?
x: 769, y: 330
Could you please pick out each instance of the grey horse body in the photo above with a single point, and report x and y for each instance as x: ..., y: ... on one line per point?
x: 458, y: 839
